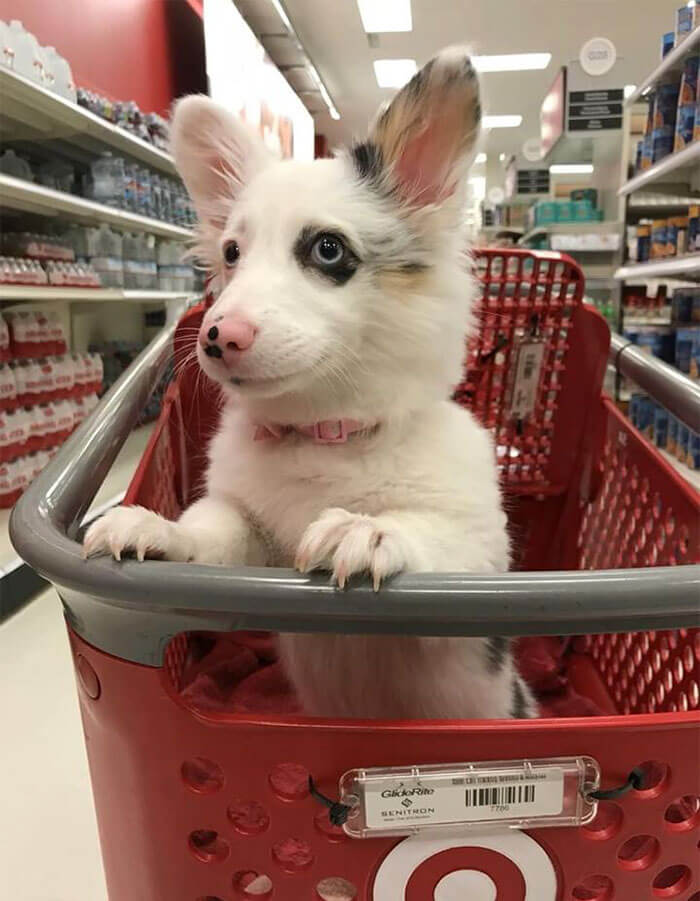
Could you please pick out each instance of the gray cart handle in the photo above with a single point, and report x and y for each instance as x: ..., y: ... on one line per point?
x: 132, y: 609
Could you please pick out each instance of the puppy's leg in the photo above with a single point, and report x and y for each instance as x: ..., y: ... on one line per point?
x: 210, y: 531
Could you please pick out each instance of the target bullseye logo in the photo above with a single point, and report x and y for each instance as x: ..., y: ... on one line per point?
x: 489, y: 866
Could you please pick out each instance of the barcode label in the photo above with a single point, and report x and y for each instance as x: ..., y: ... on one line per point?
x: 526, y: 379
x: 496, y: 797
x: 486, y: 795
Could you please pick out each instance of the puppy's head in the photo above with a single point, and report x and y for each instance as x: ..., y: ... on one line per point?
x: 342, y: 289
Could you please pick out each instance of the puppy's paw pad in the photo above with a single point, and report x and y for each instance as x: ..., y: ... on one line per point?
x: 129, y: 529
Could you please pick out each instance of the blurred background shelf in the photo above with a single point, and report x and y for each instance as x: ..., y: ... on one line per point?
x: 48, y: 293
x: 33, y: 113
x: 685, y: 268
x: 26, y: 196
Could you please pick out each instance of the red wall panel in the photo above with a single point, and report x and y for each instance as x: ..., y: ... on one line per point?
x: 144, y: 50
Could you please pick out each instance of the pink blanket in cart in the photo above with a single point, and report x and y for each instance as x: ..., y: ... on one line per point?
x: 240, y: 673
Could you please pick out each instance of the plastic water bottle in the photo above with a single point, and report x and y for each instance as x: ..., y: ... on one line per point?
x: 108, y: 179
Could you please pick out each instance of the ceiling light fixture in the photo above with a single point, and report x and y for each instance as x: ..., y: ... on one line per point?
x: 629, y: 89
x: 385, y: 15
x: 501, y: 121
x: 512, y: 62
x: 502, y: 157
x: 480, y: 158
x: 308, y: 64
x: 571, y: 169
x: 394, y: 73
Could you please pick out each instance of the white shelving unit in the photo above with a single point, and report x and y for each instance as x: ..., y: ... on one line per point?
x: 50, y: 293
x: 676, y: 167
x: 573, y: 228
x: 31, y: 113
x: 667, y: 188
x: 671, y: 64
x: 683, y: 268
x: 18, y: 194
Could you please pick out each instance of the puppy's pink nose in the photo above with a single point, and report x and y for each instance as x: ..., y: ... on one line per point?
x: 227, y: 337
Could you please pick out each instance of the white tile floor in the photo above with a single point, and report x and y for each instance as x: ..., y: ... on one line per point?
x: 50, y: 849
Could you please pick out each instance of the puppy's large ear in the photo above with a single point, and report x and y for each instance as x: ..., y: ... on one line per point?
x: 424, y: 141
x: 216, y: 154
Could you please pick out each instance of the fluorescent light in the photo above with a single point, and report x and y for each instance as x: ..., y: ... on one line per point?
x: 480, y: 158
x: 323, y: 91
x: 501, y: 121
x: 385, y: 15
x: 571, y: 169
x: 282, y: 13
x: 502, y: 157
x: 394, y: 73
x: 629, y: 90
x: 511, y: 62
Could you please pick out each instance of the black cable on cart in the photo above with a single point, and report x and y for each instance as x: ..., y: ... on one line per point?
x: 337, y: 812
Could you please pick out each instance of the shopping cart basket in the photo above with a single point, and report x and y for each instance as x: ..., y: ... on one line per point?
x: 195, y: 805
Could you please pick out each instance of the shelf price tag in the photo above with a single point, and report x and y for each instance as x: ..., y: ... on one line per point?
x: 518, y: 793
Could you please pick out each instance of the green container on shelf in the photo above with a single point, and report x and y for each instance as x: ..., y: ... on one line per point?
x: 566, y: 211
x: 589, y: 194
x: 545, y: 212
x: 583, y: 211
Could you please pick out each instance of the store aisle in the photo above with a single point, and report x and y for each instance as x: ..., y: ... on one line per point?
x: 50, y: 849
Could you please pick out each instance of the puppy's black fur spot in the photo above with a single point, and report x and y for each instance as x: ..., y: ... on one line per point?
x: 519, y: 710
x: 339, y: 273
x: 367, y: 160
x: 497, y: 650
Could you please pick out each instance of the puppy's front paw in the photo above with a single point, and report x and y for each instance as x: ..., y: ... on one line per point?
x: 135, y: 530
x: 351, y: 543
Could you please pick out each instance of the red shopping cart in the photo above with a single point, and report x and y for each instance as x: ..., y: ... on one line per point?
x: 196, y: 804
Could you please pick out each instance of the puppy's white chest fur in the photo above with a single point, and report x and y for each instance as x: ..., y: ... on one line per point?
x: 439, y: 461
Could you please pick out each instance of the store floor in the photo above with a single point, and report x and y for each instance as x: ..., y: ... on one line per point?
x: 50, y: 849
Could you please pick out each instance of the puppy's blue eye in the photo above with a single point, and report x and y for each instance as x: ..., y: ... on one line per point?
x: 327, y: 250
x: 231, y: 253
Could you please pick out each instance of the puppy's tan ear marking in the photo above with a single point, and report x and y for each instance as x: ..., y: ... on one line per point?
x: 425, y: 138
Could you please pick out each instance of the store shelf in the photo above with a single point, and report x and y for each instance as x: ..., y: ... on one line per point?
x: 657, y: 205
x: 48, y: 293
x: 18, y: 194
x: 572, y: 228
x: 671, y: 64
x: 690, y: 475
x: 494, y: 229
x: 685, y: 268
x: 31, y: 113
x: 679, y: 166
x: 110, y: 492
x: 642, y: 321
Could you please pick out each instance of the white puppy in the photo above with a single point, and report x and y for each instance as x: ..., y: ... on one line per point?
x: 337, y: 336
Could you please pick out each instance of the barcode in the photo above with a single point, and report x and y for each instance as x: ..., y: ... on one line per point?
x: 528, y: 368
x: 505, y: 794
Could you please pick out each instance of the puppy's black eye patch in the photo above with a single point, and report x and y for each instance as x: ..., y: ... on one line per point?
x: 326, y: 253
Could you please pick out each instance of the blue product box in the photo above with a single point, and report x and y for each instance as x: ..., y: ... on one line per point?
x: 633, y: 409
x: 687, y: 100
x: 646, y: 416
x: 693, y: 458
x: 661, y: 427
x: 687, y: 355
x: 664, y: 122
x: 672, y: 439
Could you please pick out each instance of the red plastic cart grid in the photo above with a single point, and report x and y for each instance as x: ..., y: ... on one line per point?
x: 198, y: 807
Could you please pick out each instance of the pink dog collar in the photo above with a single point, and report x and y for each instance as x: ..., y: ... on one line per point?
x: 329, y: 431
